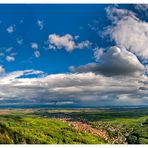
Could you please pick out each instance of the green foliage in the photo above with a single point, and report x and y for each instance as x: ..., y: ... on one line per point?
x: 143, y: 141
x: 132, y: 139
x: 37, y: 130
x: 4, y: 139
x: 44, y: 127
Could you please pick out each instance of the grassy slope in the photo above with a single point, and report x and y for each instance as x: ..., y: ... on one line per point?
x: 20, y: 128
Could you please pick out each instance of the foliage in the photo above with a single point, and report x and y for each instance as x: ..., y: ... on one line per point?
x: 43, y: 126
x: 132, y: 139
x: 38, y: 130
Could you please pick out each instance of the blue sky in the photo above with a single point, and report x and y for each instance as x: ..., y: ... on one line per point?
x: 58, y: 19
x: 61, y: 50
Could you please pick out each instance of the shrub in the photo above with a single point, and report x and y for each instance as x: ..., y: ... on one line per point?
x: 132, y: 139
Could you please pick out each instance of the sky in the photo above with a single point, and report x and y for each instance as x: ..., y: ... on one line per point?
x: 74, y: 54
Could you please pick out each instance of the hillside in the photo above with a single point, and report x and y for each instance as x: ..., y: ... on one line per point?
x: 74, y: 126
x: 21, y: 129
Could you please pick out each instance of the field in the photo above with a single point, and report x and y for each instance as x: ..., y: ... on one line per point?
x: 74, y: 126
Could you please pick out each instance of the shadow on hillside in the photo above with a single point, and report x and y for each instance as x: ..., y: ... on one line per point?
x: 12, y: 117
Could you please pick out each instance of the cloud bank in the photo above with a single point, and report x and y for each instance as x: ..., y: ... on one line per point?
x: 116, y: 78
x: 84, y: 89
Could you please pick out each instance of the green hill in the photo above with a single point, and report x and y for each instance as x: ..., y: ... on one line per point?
x: 36, y: 130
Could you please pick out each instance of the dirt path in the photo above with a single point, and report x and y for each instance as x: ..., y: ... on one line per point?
x: 87, y: 128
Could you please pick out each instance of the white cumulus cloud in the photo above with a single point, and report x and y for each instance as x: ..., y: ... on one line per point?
x: 67, y: 42
x: 37, y: 54
x: 10, y: 58
x: 34, y: 45
x: 128, y: 31
x: 98, y: 52
x: 86, y: 88
x: 83, y: 44
x: 116, y: 61
x: 10, y: 29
